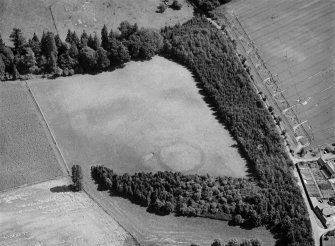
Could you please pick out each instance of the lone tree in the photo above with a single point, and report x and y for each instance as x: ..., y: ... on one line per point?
x: 176, y: 5
x: 161, y: 8
x: 77, y: 177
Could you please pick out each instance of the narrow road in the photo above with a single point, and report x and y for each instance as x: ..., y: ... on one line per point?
x: 317, y: 229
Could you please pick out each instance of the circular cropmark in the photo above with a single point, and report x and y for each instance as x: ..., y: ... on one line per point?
x: 181, y: 157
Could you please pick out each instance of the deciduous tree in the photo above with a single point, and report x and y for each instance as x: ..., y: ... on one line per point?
x: 102, y: 59
x: 88, y: 59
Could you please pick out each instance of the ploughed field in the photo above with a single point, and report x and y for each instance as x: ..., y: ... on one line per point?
x: 296, y: 41
x: 148, y: 116
x: 49, y: 214
x: 82, y: 15
x: 26, y: 155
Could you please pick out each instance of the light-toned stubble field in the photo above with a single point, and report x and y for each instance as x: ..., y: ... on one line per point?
x: 48, y: 214
x: 148, y: 116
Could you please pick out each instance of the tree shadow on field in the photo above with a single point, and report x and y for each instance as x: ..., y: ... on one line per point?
x: 213, y: 105
x: 63, y: 188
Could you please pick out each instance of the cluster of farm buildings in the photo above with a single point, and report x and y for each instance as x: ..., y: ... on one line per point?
x: 318, y: 178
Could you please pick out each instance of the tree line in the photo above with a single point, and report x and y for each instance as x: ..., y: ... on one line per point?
x: 85, y: 54
x: 235, y: 242
x: 227, y: 198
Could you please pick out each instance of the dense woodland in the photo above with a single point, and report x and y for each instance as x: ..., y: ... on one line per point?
x: 210, y: 55
x: 226, y: 198
x: 234, y: 242
x: 84, y: 54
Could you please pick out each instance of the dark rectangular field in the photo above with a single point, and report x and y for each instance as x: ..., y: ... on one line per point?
x: 26, y: 155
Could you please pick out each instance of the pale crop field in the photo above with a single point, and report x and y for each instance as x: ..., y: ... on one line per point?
x: 296, y: 41
x: 148, y: 116
x: 47, y: 214
x: 26, y: 155
x: 82, y: 15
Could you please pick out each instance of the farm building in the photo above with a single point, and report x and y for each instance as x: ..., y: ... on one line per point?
x: 330, y: 169
x: 329, y: 211
x: 329, y: 149
x: 328, y: 166
x: 319, y: 214
x: 321, y: 161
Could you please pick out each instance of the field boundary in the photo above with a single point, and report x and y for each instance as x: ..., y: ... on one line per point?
x: 256, y: 87
x: 270, y: 79
x: 231, y: 32
x: 53, y: 19
x: 260, y: 78
x: 64, y: 164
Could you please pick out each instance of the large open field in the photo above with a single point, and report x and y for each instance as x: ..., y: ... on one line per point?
x: 46, y: 214
x: 296, y: 40
x: 26, y: 155
x: 89, y: 15
x: 148, y: 116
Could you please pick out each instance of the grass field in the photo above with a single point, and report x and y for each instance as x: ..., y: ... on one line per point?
x: 296, y: 41
x: 26, y: 155
x: 82, y: 15
x: 148, y: 116
x: 47, y: 214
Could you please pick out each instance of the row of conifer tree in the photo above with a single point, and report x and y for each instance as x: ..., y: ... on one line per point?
x: 85, y: 54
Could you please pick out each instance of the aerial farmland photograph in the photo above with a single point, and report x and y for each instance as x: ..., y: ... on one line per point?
x: 167, y: 122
